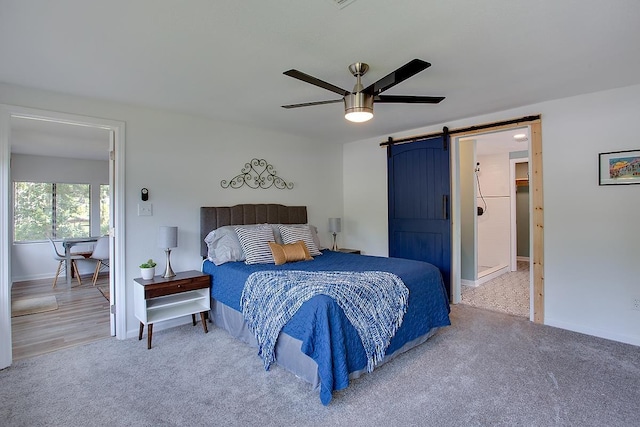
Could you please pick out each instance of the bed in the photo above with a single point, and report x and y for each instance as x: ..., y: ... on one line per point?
x: 318, y: 344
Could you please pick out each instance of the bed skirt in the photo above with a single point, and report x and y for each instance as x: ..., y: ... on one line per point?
x: 287, y: 351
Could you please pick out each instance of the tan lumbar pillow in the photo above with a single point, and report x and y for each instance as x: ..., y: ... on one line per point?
x: 289, y: 252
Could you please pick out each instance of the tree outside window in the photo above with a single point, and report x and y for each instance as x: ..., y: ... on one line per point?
x: 54, y: 209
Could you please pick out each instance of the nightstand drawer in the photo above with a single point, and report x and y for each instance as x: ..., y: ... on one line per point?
x: 184, y: 285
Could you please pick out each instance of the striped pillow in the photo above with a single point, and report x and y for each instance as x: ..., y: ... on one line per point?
x: 255, y: 244
x: 293, y: 233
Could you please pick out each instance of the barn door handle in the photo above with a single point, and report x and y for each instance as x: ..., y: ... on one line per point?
x: 445, y: 206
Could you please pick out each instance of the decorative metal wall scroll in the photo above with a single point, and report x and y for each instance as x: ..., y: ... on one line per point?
x: 257, y: 174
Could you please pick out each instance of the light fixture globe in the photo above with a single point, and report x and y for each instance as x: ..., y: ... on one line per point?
x: 358, y: 107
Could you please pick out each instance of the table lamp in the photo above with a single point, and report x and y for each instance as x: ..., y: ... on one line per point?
x: 167, y: 239
x: 335, y: 227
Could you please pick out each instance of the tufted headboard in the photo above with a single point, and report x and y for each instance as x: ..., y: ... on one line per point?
x: 218, y: 216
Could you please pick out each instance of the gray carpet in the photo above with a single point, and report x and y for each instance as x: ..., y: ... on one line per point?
x: 486, y: 369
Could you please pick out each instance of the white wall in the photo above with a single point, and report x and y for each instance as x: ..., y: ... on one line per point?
x: 364, y: 224
x: 182, y: 159
x: 494, y: 226
x: 35, y: 260
x: 591, y: 270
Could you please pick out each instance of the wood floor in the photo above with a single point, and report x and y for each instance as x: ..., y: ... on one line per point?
x: 82, y: 316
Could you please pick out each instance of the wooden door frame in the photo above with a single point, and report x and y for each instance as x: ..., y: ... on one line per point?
x: 536, y: 225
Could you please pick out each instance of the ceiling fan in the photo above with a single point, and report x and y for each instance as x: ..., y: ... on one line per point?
x: 358, y: 104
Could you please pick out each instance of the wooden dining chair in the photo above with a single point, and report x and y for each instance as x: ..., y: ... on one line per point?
x: 101, y: 256
x: 62, y: 265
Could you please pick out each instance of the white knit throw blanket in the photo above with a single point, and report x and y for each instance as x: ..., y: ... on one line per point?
x: 373, y: 301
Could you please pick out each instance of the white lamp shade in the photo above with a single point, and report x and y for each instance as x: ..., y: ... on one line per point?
x: 335, y: 225
x: 168, y: 237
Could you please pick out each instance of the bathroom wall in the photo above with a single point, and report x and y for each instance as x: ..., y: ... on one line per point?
x: 494, y: 225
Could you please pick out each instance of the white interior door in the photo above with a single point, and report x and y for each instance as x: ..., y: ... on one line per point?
x: 5, y: 245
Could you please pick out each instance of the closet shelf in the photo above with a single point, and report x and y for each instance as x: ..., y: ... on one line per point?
x: 522, y: 182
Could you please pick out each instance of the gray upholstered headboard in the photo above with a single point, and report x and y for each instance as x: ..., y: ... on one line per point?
x: 214, y: 217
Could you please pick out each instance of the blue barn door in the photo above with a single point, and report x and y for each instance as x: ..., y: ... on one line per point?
x: 419, y: 203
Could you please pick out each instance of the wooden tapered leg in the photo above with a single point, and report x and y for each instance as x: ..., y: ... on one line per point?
x: 96, y: 272
x: 204, y: 323
x: 55, y: 280
x: 141, y: 331
x: 149, y: 333
x: 74, y: 264
x: 193, y: 317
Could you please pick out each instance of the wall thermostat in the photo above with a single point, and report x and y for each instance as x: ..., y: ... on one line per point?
x: 144, y: 194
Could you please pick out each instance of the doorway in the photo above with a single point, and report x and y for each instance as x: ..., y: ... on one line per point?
x: 536, y: 291
x: 491, y: 278
x: 116, y: 227
x: 520, y: 211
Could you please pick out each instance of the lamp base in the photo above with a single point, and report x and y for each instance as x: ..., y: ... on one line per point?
x: 168, y: 272
x: 335, y: 244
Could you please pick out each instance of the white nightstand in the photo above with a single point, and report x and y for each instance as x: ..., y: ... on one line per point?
x: 161, y: 299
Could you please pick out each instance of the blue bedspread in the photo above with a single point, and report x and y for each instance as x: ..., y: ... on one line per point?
x: 326, y: 334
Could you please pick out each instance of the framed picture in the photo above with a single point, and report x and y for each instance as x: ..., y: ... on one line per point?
x: 619, y: 167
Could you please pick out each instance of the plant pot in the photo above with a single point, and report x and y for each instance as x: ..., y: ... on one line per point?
x: 148, y: 273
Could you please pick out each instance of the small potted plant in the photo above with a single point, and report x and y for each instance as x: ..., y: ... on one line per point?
x: 148, y: 269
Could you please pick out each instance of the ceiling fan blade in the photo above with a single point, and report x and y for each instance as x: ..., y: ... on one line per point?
x: 308, y: 104
x: 314, y: 81
x: 409, y: 69
x: 409, y: 99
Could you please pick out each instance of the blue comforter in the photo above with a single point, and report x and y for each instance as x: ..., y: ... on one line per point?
x: 326, y: 334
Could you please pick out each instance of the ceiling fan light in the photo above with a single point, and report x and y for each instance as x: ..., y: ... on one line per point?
x: 358, y: 107
x: 358, y: 116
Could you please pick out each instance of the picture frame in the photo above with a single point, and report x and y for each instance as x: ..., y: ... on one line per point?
x: 619, y: 167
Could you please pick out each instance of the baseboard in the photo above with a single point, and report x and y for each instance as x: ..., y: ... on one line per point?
x: 469, y: 283
x: 33, y: 277
x: 522, y: 258
x: 48, y: 276
x: 484, y: 279
x: 627, y: 339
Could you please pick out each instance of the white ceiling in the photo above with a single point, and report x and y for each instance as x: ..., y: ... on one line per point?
x: 224, y: 59
x: 501, y: 142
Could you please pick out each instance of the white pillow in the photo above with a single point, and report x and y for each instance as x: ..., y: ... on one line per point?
x: 255, y: 244
x: 314, y: 234
x: 293, y: 233
x: 223, y: 244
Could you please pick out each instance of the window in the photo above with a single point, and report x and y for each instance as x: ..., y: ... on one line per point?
x: 58, y: 210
